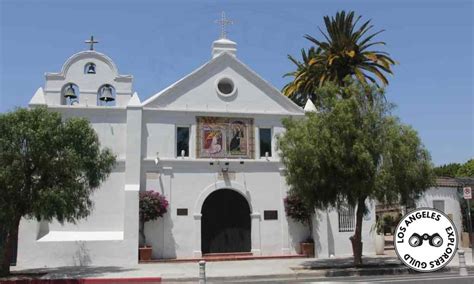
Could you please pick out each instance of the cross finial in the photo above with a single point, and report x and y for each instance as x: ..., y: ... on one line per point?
x: 91, y: 41
x: 223, y: 22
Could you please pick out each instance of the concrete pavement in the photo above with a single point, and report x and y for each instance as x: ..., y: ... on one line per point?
x: 251, y: 269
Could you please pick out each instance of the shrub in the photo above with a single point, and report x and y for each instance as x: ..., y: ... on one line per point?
x: 153, y: 205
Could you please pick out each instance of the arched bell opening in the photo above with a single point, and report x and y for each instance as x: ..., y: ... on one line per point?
x: 70, y: 94
x: 89, y: 68
x: 225, y: 223
x: 106, y: 95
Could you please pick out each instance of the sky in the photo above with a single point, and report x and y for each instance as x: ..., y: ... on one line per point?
x: 159, y: 42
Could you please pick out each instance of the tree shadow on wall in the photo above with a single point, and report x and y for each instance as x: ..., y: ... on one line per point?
x: 298, y: 233
x: 159, y: 235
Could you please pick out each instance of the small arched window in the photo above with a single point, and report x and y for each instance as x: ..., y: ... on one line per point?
x: 106, y: 95
x: 89, y: 68
x: 70, y: 94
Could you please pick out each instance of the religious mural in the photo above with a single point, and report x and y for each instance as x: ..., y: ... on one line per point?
x: 221, y: 137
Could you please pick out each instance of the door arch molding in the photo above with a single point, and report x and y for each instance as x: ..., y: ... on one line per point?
x: 221, y: 185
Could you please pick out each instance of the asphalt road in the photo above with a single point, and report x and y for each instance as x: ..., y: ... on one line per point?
x: 418, y: 278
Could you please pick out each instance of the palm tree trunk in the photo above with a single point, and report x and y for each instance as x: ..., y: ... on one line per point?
x: 356, y: 239
x: 8, y: 236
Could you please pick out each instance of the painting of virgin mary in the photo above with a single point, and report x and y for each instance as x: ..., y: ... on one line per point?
x: 213, y: 141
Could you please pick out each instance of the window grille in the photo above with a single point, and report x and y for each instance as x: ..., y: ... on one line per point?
x: 346, y: 218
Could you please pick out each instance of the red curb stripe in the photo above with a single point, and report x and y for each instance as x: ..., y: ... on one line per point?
x: 121, y: 280
x: 83, y: 281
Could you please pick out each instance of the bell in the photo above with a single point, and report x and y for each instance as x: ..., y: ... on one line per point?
x: 106, y: 94
x: 70, y: 93
x: 91, y: 69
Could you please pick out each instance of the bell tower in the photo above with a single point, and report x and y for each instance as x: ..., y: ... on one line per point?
x: 87, y: 79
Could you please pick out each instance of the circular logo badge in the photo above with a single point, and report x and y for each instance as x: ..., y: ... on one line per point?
x: 426, y: 240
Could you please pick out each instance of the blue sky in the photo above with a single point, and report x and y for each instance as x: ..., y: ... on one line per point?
x: 158, y: 42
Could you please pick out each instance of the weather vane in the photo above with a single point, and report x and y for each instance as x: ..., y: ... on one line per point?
x: 91, y: 41
x: 223, y: 22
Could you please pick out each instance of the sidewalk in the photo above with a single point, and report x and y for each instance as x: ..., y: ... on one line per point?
x: 276, y: 268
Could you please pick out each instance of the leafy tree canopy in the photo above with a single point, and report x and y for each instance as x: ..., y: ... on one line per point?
x: 455, y: 169
x: 448, y: 170
x: 353, y: 149
x: 48, y: 169
x: 467, y: 169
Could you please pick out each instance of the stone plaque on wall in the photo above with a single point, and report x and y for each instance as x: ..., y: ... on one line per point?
x: 270, y: 215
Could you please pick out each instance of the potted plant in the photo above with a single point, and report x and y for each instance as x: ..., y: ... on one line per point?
x: 296, y: 209
x: 389, y: 224
x: 379, y: 228
x: 152, y: 206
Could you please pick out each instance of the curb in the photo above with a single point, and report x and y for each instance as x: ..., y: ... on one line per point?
x: 322, y: 273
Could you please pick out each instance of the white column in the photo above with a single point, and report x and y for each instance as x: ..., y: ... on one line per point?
x: 132, y: 178
x: 133, y: 152
x: 255, y: 233
x: 169, y: 250
x: 197, y: 235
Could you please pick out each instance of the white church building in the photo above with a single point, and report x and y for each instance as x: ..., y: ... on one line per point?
x: 207, y: 143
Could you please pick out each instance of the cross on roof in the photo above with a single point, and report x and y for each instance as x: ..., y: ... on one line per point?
x: 91, y: 41
x: 223, y: 22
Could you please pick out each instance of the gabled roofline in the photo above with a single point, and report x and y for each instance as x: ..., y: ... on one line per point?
x: 87, y: 54
x: 270, y: 89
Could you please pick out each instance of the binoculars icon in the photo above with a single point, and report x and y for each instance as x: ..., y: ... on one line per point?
x: 434, y: 240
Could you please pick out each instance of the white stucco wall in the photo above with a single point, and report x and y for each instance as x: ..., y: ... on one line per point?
x: 109, y: 235
x: 40, y: 246
x: 330, y: 242
x: 186, y: 184
x: 451, y: 203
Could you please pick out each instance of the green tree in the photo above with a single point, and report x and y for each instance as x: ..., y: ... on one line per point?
x: 353, y: 150
x: 48, y: 169
x: 466, y: 170
x: 346, y: 50
x: 448, y: 170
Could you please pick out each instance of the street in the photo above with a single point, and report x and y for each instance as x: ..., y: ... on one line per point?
x: 432, y: 278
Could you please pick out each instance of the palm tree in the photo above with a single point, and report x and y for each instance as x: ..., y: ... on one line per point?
x: 345, y: 52
x: 303, y: 86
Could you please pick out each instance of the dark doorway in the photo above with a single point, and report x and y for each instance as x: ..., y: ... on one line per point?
x: 225, y: 223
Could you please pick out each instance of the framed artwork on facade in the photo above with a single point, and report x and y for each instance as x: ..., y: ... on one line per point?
x: 222, y: 137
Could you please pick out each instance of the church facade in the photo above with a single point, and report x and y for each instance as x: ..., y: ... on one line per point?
x: 207, y: 143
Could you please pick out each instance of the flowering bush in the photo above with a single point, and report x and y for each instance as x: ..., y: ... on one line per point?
x: 296, y: 209
x: 152, y: 206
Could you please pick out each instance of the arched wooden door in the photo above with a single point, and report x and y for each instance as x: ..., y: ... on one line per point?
x: 225, y: 223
